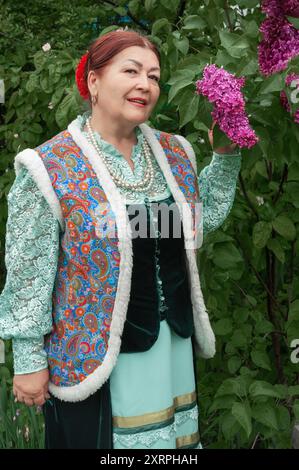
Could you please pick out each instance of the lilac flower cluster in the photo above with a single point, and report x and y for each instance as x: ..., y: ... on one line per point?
x: 281, y: 8
x: 280, y: 42
x: 224, y: 90
x: 279, y: 45
x: 284, y: 99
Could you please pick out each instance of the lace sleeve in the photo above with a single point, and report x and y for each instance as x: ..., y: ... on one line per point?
x: 31, y: 255
x: 217, y: 185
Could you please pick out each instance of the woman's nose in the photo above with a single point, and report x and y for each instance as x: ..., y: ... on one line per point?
x: 144, y: 81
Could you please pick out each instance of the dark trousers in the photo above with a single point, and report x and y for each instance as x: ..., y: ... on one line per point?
x: 85, y: 424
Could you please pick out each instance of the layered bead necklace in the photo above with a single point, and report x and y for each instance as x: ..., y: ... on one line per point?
x: 119, y: 180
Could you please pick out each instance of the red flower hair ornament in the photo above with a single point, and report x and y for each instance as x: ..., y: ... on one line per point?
x: 81, y: 83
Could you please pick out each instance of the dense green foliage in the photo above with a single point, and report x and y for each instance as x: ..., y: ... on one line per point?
x: 249, y: 392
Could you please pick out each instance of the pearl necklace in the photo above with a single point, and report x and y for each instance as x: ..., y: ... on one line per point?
x: 148, y: 177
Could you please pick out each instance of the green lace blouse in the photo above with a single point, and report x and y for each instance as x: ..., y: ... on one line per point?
x: 32, y: 244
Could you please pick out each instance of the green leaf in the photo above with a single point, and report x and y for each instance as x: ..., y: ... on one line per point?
x: 261, y: 359
x: 188, y: 108
x: 283, y: 417
x: 274, y: 245
x: 148, y: 5
x: 294, y: 21
x: 226, y: 255
x: 204, y: 112
x: 231, y: 387
x: 282, y: 390
x: 222, y: 403
x: 4, y: 372
x: 264, y: 326
x: 108, y: 29
x: 248, y: 3
x: 159, y: 24
x: 36, y: 128
x: 182, y: 45
x: 230, y: 426
x: 200, y: 126
x: 40, y: 60
x: 180, y: 75
x: 293, y: 390
x: 285, y: 227
x: 64, y: 110
x: 45, y: 83
x: 265, y: 413
x: 233, y: 364
x: 261, y: 169
x: 179, y: 85
x: 252, y: 28
x: 233, y: 43
x: 171, y: 5
x: 223, y: 326
x: 292, y: 329
x: 271, y: 84
x: 262, y: 388
x: 242, y: 413
x: 194, y: 22
x: 293, y: 172
x: 296, y: 409
x: 238, y: 339
x: 32, y: 83
x: 294, y: 311
x: 261, y: 234
x: 250, y: 68
x: 122, y: 11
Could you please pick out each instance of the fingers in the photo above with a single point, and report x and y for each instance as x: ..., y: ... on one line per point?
x: 29, y: 401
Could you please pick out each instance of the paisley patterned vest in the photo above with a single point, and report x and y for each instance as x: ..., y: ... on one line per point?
x: 93, y: 281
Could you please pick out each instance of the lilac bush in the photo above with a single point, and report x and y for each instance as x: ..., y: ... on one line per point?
x: 223, y: 89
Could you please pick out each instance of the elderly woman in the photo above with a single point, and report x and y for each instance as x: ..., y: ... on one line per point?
x: 106, y: 326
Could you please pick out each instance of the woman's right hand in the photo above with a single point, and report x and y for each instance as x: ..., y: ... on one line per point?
x: 31, y: 389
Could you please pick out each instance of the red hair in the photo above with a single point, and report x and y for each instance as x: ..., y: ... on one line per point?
x: 102, y: 51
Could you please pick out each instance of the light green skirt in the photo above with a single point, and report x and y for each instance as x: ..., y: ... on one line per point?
x: 153, y: 396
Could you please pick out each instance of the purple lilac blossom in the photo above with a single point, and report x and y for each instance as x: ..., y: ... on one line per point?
x: 279, y: 45
x: 291, y: 8
x: 284, y: 99
x: 281, y: 7
x: 224, y: 90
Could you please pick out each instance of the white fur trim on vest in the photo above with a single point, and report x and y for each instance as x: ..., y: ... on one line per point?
x: 30, y: 159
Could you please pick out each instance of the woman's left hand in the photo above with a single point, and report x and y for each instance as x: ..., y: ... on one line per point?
x: 225, y: 150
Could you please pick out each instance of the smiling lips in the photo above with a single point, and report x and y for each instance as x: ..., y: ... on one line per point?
x: 138, y: 101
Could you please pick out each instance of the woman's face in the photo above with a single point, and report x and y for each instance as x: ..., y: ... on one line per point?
x: 123, y: 79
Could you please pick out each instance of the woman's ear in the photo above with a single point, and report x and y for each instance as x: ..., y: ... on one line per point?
x: 92, y: 82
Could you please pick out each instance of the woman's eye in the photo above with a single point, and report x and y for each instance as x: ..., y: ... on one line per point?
x: 153, y: 76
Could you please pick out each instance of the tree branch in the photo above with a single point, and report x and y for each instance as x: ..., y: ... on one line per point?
x: 284, y: 178
x: 270, y: 261
x: 226, y: 11
x: 180, y: 12
x: 257, y: 275
x: 246, y: 196
x: 290, y: 287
